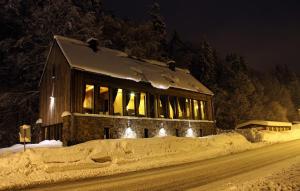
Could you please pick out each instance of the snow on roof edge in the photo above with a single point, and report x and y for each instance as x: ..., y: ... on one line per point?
x: 58, y: 38
x: 264, y: 123
x: 45, y: 66
x: 91, y: 71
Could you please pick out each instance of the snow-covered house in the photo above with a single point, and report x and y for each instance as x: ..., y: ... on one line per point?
x: 90, y: 92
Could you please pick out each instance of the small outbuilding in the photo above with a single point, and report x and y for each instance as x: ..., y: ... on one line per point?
x: 265, y: 125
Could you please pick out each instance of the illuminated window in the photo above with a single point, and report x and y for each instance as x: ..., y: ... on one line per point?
x: 141, y: 104
x: 188, y: 108
x: 130, y: 103
x: 172, y: 107
x: 103, y: 100
x: 88, y: 102
x: 117, y: 101
x: 181, y: 108
x: 196, y: 109
x: 203, y: 110
x: 162, y: 106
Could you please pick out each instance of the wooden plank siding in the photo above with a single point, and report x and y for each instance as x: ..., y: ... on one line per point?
x: 57, y: 66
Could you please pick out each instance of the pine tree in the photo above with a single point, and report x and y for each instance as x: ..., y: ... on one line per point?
x: 157, y: 20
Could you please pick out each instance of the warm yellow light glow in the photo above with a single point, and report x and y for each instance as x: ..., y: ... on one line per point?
x: 161, y: 109
x: 103, y: 90
x: 188, y: 106
x: 88, y: 102
x: 171, y: 111
x: 142, y: 105
x: 89, y: 88
x: 103, y: 100
x: 130, y: 105
x: 202, y: 112
x: 180, y: 110
x: 118, y: 103
x: 196, y: 109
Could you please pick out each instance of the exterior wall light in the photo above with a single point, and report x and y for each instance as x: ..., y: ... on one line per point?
x: 129, y: 133
x: 190, y: 133
x: 52, y: 102
x: 162, y: 132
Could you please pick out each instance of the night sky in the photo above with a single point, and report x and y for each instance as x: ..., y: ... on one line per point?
x: 265, y: 32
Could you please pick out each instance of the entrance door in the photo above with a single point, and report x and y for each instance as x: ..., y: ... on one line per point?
x: 106, y: 133
x: 146, y: 133
x: 200, y: 133
x: 177, y: 132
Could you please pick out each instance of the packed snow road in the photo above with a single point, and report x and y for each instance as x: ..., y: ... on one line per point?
x: 213, y: 174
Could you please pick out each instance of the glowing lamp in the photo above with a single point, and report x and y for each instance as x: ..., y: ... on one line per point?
x: 190, y: 133
x: 52, y: 101
x: 129, y: 133
x: 162, y: 132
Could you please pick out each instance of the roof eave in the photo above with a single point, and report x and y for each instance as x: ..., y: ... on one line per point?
x: 45, y: 66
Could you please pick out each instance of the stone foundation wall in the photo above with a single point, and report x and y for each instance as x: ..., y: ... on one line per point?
x: 79, y: 128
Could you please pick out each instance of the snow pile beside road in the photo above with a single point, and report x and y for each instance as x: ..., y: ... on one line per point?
x: 255, y: 135
x: 106, y: 157
x: 285, y: 179
x: 20, y: 147
x: 281, y: 136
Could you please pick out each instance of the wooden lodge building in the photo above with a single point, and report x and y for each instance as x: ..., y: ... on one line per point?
x: 90, y: 92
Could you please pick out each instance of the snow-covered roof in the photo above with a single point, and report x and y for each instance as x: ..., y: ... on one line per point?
x: 264, y: 123
x: 117, y: 64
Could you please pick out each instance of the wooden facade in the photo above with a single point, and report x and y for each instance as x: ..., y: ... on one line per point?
x: 55, y: 86
x: 80, y: 78
x: 62, y: 89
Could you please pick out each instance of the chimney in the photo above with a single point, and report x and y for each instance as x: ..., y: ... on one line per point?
x: 172, y: 65
x: 93, y: 43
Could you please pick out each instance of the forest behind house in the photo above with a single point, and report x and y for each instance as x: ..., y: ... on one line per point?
x: 26, y: 34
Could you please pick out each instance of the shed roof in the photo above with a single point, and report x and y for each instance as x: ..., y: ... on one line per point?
x: 117, y: 64
x: 264, y: 123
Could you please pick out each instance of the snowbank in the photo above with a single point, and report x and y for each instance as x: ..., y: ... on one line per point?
x: 255, y: 135
x: 106, y: 157
x: 20, y: 147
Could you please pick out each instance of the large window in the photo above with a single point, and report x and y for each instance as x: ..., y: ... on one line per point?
x: 141, y: 104
x: 135, y: 103
x: 103, y: 100
x: 162, y: 106
x: 172, y: 107
x: 188, y: 105
x: 196, y: 109
x: 130, y: 103
x: 88, y: 102
x: 117, y: 97
x: 106, y: 100
x: 181, y: 108
x: 203, y: 111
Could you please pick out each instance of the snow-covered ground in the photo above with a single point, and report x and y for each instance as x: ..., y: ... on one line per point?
x: 20, y: 147
x: 254, y: 135
x: 106, y: 157
x: 287, y: 179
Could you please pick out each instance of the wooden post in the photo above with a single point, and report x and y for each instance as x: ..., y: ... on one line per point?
x: 24, y: 138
